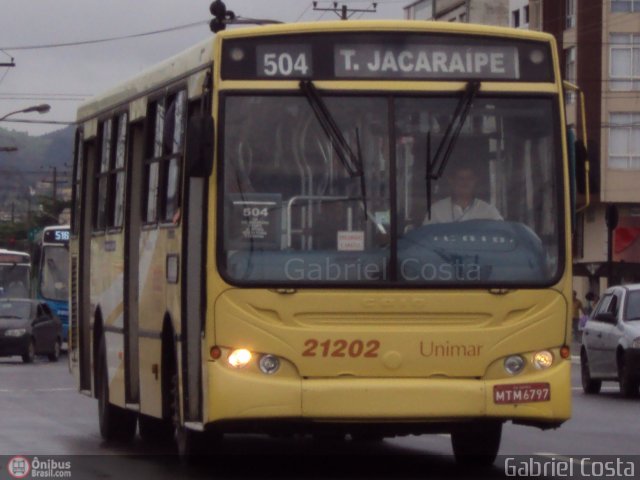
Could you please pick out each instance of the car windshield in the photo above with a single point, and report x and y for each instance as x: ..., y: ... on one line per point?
x: 13, y: 310
x: 294, y: 212
x: 54, y: 279
x: 14, y: 281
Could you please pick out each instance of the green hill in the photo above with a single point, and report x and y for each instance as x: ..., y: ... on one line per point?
x: 32, y: 162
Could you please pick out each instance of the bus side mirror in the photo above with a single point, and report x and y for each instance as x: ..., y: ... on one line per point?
x: 200, y: 132
x: 581, y: 167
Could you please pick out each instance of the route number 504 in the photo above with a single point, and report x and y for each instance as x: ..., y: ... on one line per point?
x: 285, y: 64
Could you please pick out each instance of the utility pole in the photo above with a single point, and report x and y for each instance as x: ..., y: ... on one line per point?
x: 55, y: 189
x: 343, y: 11
x: 13, y: 212
x: 55, y: 183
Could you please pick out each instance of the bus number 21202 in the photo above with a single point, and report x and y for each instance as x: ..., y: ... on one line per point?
x: 341, y: 348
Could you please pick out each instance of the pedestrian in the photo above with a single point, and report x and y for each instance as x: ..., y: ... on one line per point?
x: 592, y: 300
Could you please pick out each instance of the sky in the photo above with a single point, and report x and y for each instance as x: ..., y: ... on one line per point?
x: 65, y: 76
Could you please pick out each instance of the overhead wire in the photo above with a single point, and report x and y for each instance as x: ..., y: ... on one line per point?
x: 104, y: 40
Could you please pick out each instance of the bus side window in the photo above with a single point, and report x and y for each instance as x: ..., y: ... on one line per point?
x: 173, y: 148
x: 102, y: 176
x: 153, y: 152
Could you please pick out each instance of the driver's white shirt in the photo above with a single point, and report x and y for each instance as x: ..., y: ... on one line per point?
x: 445, y: 211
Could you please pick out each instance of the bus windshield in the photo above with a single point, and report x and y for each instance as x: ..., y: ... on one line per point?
x: 14, y: 281
x: 54, y: 279
x: 487, y: 216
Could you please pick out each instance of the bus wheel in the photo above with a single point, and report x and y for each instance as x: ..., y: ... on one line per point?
x: 30, y: 355
x: 477, y: 444
x: 155, y: 431
x: 116, y: 424
x: 189, y: 443
x: 328, y: 437
x: 55, y: 355
x: 368, y: 437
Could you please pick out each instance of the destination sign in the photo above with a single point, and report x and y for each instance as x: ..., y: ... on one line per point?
x: 13, y: 258
x: 386, y: 56
x: 56, y: 236
x: 421, y: 61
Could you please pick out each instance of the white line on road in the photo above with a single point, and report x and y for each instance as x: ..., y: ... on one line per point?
x: 603, y: 389
x: 36, y: 390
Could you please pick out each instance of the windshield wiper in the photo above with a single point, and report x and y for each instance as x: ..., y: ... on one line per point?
x: 11, y: 316
x: 437, y: 164
x: 350, y: 161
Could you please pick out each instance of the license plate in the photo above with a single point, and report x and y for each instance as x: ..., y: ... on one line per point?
x: 522, y: 393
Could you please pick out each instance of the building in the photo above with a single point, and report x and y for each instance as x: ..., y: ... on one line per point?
x: 600, y: 45
x: 519, y: 14
x: 488, y: 12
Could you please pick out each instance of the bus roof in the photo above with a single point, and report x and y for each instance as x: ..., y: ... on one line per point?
x: 200, y: 55
x: 56, y: 227
x: 14, y: 256
x: 410, y: 26
x: 189, y: 61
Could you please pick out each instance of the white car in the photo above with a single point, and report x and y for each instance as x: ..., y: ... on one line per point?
x: 611, y: 341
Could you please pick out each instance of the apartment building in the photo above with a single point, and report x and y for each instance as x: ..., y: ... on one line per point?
x: 600, y: 45
x: 488, y: 12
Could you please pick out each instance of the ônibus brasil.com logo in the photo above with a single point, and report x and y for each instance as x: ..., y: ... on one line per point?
x: 19, y: 467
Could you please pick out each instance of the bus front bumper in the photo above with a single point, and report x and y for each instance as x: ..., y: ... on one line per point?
x: 237, y: 395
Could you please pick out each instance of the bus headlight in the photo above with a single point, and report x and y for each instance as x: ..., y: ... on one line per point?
x: 16, y: 332
x: 269, y: 364
x: 514, y: 364
x: 543, y: 360
x: 239, y: 358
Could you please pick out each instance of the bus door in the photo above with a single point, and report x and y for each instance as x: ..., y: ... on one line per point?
x: 133, y: 221
x: 193, y: 253
x: 82, y: 275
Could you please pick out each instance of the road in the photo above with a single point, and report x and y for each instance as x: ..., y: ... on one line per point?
x: 42, y: 414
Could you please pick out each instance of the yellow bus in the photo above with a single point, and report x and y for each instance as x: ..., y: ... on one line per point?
x: 340, y: 229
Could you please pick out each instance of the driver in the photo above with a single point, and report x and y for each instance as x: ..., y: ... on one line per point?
x: 462, y: 205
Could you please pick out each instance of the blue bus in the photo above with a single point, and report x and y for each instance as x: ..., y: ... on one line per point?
x: 53, y: 273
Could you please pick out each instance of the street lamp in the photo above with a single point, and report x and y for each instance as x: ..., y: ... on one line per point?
x: 42, y: 108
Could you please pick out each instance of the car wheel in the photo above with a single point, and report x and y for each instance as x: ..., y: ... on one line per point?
x: 477, y: 444
x: 55, y: 355
x: 589, y: 385
x: 30, y: 355
x: 628, y: 383
x: 116, y: 424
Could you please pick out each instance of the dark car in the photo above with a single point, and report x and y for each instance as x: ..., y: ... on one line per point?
x: 29, y: 328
